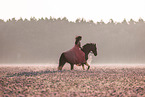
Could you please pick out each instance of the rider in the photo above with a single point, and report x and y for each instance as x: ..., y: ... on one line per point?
x: 77, y: 42
x: 79, y: 53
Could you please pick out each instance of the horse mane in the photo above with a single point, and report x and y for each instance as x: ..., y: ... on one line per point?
x: 88, y: 44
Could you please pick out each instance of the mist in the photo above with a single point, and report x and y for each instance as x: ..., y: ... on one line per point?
x: 43, y: 41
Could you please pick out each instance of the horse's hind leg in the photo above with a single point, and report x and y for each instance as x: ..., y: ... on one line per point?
x: 87, y: 65
x: 72, y: 66
x: 61, y: 64
x: 62, y: 61
x: 83, y: 66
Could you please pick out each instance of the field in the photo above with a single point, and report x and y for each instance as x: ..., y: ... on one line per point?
x: 45, y: 80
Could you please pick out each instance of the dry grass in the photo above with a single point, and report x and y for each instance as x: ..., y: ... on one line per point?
x: 38, y: 81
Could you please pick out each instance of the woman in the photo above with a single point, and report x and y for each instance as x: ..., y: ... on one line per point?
x: 80, y: 55
x: 77, y: 42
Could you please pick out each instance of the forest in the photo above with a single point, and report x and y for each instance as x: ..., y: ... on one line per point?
x: 43, y: 40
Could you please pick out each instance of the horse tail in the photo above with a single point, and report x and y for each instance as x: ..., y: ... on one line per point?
x: 62, y: 61
x: 62, y: 57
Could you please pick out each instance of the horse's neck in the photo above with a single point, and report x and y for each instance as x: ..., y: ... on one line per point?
x: 86, y: 51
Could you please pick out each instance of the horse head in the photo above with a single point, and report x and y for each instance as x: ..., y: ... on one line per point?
x: 90, y: 47
x: 94, y: 49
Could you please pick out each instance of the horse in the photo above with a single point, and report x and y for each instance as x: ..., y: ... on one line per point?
x: 87, y: 48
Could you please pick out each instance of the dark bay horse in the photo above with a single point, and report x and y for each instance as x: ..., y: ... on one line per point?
x: 87, y: 48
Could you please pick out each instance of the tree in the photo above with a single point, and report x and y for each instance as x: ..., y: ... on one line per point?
x: 13, y: 20
x: 124, y: 21
x: 1, y: 21
x: 51, y: 18
x: 102, y: 22
x: 111, y: 21
x: 42, y: 19
x: 26, y: 20
x: 78, y: 20
x: 141, y: 20
x: 131, y: 21
x: 33, y: 19
x: 91, y: 21
x: 64, y: 19
x: 83, y: 20
x: 59, y: 19
x: 46, y: 18
x: 20, y: 20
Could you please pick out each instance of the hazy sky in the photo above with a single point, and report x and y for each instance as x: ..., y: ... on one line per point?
x: 73, y: 9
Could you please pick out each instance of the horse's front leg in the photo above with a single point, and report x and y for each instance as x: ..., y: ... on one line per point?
x: 87, y: 65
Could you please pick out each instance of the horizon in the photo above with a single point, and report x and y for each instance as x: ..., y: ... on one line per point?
x: 100, y: 65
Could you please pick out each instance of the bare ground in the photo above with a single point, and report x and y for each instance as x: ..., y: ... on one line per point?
x: 26, y: 81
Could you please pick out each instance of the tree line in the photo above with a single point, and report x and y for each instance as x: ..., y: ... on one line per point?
x: 79, y: 20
